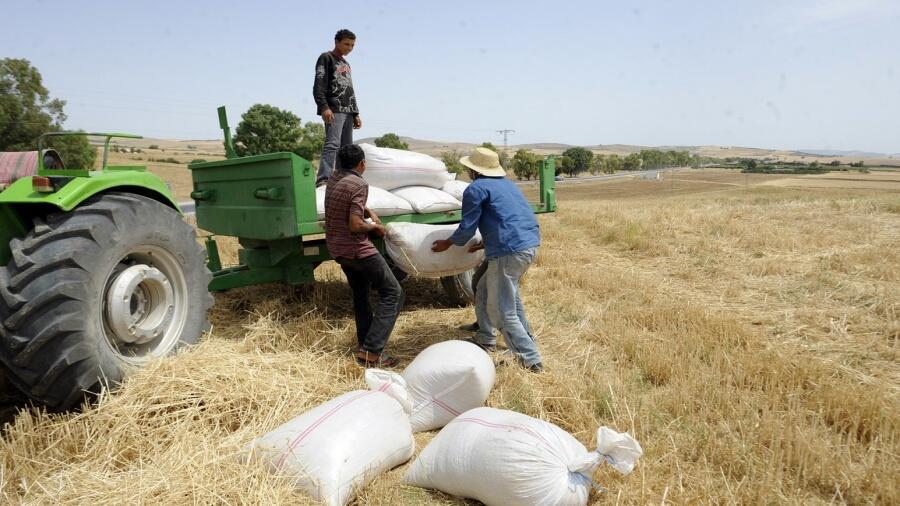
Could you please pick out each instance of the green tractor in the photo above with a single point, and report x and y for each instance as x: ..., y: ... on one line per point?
x: 98, y: 273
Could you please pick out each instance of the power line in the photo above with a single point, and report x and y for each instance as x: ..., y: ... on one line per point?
x: 505, y: 133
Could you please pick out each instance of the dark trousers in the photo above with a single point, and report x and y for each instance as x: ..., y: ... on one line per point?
x: 363, y: 275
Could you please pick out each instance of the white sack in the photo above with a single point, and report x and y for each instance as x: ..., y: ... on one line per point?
x: 409, y: 246
x: 339, y: 447
x: 444, y: 380
x: 381, y: 201
x: 455, y: 188
x: 428, y: 200
x: 506, y: 458
x: 393, y: 168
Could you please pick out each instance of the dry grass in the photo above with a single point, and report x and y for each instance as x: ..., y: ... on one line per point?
x: 747, y: 336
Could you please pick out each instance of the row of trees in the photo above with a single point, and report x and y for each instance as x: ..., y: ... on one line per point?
x: 577, y: 160
x: 27, y: 111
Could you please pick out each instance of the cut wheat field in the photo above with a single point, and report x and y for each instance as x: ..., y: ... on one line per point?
x: 747, y: 336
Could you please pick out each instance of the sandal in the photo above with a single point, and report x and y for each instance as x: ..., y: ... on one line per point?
x: 368, y: 359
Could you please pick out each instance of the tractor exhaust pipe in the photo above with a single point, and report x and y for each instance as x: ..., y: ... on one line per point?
x: 223, y: 124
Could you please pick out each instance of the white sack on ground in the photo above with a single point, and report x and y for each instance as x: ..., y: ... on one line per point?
x: 428, y: 200
x: 409, y: 246
x: 339, y: 447
x: 455, y: 188
x: 393, y: 168
x: 381, y: 201
x: 505, y: 458
x: 444, y: 380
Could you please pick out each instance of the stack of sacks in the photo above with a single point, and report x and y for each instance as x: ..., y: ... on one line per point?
x: 506, y: 458
x: 455, y: 188
x: 394, y: 168
x: 424, y: 199
x: 382, y: 202
x: 415, y: 177
x: 444, y: 380
x: 409, y: 246
x: 337, y: 448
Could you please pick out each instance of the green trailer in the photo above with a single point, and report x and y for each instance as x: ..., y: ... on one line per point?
x: 269, y: 203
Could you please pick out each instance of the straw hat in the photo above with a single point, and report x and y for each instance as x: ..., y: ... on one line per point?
x: 483, y: 161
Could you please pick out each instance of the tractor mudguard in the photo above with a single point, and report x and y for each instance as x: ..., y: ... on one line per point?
x: 78, y: 189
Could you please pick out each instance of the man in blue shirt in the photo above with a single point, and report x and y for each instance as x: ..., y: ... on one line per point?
x: 511, y: 235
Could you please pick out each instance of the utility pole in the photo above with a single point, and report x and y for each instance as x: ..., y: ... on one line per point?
x: 505, y: 133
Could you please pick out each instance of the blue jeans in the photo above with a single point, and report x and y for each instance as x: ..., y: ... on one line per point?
x: 337, y: 133
x: 500, y: 289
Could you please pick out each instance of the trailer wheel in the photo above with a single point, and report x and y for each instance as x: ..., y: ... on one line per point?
x: 459, y: 288
x: 91, y: 293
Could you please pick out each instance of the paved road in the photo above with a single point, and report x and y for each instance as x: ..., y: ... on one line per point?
x: 188, y: 208
x: 621, y: 175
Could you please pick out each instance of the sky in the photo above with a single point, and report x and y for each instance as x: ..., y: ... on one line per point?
x: 791, y: 74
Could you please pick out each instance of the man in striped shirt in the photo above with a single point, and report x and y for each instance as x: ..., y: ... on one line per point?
x: 347, y: 239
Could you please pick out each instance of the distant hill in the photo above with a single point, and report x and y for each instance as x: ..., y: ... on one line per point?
x: 836, y: 152
x: 436, y: 147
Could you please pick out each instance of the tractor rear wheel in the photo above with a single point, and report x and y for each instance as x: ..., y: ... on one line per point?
x: 88, y: 294
x: 459, y: 288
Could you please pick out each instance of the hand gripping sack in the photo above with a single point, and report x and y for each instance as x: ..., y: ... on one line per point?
x: 339, y: 447
x: 381, y: 201
x: 444, y: 380
x: 504, y: 458
x: 428, y: 200
x: 409, y: 246
x: 392, y: 168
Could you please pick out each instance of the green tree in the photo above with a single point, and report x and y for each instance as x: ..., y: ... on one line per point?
x: 632, y: 162
x: 652, y: 158
x: 27, y: 111
x: 580, y: 160
x: 490, y: 146
x: 612, y: 164
x: 390, y: 140
x: 525, y: 164
x: 567, y: 166
x: 267, y: 129
x: 597, y: 164
x: 451, y: 160
x: 311, y: 141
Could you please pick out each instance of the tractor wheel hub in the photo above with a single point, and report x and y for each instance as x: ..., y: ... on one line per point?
x: 139, y: 304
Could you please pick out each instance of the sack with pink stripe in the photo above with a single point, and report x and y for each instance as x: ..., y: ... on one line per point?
x: 443, y: 380
x: 506, y: 458
x: 339, y: 447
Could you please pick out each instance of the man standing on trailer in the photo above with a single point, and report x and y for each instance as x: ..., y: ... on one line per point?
x: 347, y: 239
x: 335, y: 101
